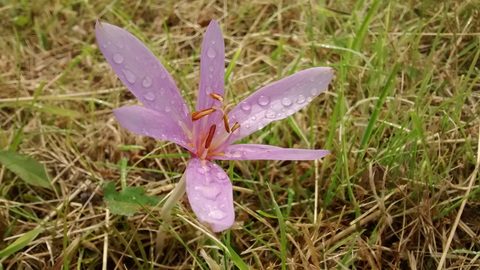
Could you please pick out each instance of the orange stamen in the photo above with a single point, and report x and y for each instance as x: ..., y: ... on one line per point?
x: 217, y: 97
x: 199, y: 114
x: 209, y: 139
x: 235, y: 126
x: 225, y: 122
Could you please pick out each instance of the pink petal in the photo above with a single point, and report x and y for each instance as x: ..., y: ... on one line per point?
x: 210, y: 194
x: 212, y: 67
x: 266, y: 152
x: 143, y: 121
x: 141, y: 71
x: 212, y: 74
x: 278, y: 100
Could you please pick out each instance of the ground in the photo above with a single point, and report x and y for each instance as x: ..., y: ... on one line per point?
x: 399, y: 189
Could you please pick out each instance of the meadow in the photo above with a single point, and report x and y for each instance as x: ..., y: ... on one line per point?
x: 399, y: 189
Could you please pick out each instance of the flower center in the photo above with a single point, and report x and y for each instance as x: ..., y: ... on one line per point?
x: 206, y: 143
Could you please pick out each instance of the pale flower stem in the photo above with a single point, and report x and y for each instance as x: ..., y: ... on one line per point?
x: 166, y: 211
x: 175, y: 196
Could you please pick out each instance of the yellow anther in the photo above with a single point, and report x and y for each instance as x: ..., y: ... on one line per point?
x: 217, y: 97
x: 235, y: 126
x: 199, y: 114
x: 225, y: 123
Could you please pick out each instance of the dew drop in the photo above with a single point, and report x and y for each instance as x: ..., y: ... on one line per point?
x: 301, y: 99
x: 270, y: 113
x: 162, y: 75
x: 286, y: 102
x: 120, y: 45
x: 260, y: 126
x: 254, y: 118
x: 221, y: 176
x: 162, y: 90
x: 129, y: 76
x: 247, y: 125
x: 217, y: 214
x: 104, y: 45
x: 245, y: 106
x: 211, y: 53
x: 210, y: 68
x: 167, y: 109
x: 201, y: 171
x: 213, y: 41
x: 118, y: 58
x: 263, y: 100
x: 312, y: 79
x: 186, y: 110
x: 309, y: 99
x: 209, y: 192
x: 208, y: 90
x: 314, y: 91
x: 147, y: 82
x: 210, y: 75
x: 149, y: 96
x: 289, y: 112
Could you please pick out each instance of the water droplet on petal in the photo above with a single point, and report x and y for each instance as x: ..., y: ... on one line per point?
x: 120, y: 45
x: 221, y: 176
x: 213, y: 41
x: 260, y: 126
x: 162, y: 90
x: 286, y: 102
x: 129, y: 75
x: 301, y: 99
x: 263, y: 100
x: 210, y: 68
x: 210, y: 192
x: 167, y: 109
x: 210, y: 75
x: 186, y: 110
x: 289, y: 112
x: 162, y: 75
x: 201, y: 171
x: 104, y: 45
x: 254, y: 118
x: 118, y: 58
x: 208, y: 90
x: 211, y: 53
x: 149, y: 96
x: 245, y: 106
x: 269, y: 113
x: 314, y: 91
x: 312, y: 79
x: 309, y: 99
x: 147, y: 82
x: 217, y: 214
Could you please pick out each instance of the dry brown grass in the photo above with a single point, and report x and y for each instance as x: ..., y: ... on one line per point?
x: 395, y: 205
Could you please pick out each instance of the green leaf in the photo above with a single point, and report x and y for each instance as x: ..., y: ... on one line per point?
x: 56, y: 110
x: 237, y: 260
x: 130, y: 147
x: 21, y: 242
x: 21, y: 20
x: 126, y: 202
x: 28, y: 169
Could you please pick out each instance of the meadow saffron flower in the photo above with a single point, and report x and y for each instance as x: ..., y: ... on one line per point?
x: 210, y: 131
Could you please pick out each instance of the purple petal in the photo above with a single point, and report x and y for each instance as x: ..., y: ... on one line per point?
x: 210, y: 194
x: 278, y: 100
x: 212, y: 74
x: 141, y: 71
x: 266, y: 152
x: 212, y: 68
x: 143, y: 121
